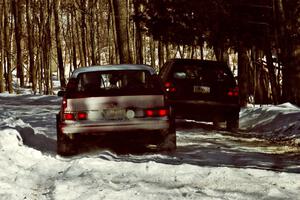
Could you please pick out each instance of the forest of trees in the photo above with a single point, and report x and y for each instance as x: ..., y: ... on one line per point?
x: 260, y: 38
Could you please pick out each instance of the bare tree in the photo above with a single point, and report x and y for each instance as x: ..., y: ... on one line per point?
x: 243, y: 63
x: 138, y: 35
x: 18, y: 12
x: 122, y: 35
x: 58, y: 44
x: 30, y: 31
x: 7, y: 47
x: 1, y: 50
x: 83, y: 31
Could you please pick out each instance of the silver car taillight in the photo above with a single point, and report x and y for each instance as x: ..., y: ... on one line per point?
x: 75, y: 116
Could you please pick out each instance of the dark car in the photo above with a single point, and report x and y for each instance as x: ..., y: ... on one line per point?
x: 126, y: 101
x: 202, y: 90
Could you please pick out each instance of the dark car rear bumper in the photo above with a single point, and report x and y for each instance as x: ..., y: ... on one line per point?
x: 204, y: 110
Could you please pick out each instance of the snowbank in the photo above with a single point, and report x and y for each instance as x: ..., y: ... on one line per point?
x: 279, y: 123
x: 28, y: 174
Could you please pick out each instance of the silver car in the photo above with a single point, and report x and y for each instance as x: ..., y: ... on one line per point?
x: 120, y: 100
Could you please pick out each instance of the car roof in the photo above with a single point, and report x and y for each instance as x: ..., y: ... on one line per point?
x: 118, y: 67
x: 207, y: 62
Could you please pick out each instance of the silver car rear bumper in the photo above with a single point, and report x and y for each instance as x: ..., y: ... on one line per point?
x: 104, y: 128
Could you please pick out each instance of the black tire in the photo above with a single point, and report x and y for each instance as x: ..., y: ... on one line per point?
x: 216, y: 124
x: 168, y: 142
x: 232, y: 124
x: 65, y: 145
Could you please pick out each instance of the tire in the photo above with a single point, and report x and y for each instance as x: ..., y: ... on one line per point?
x: 168, y: 142
x: 232, y: 124
x: 65, y: 145
x: 216, y: 124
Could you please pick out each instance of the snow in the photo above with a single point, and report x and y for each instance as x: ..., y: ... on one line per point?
x: 30, y: 168
x: 281, y: 122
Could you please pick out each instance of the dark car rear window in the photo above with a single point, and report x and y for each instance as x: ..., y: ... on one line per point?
x: 205, y: 72
x: 114, y: 83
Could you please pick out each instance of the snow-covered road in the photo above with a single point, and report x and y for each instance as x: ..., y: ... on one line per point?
x: 208, y: 164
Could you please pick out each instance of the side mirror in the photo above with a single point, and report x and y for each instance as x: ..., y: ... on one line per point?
x: 61, y: 93
x: 179, y: 75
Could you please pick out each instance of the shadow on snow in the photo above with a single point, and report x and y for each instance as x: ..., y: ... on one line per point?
x: 214, y: 154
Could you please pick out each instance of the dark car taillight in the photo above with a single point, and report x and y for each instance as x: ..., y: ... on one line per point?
x: 169, y: 87
x: 233, y: 92
x: 163, y: 112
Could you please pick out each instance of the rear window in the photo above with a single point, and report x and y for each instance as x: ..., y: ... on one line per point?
x: 113, y: 83
x: 209, y: 72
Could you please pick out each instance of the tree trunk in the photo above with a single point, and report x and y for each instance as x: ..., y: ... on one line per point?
x: 7, y: 46
x: 92, y: 31
x: 58, y: 45
x: 138, y: 38
x: 295, y: 61
x: 243, y: 63
x: 1, y: 53
x: 287, y: 93
x: 112, y: 35
x: 218, y: 53
x: 83, y: 32
x: 161, y: 54
x: 46, y: 47
x: 74, y: 54
x: 201, y: 51
x: 152, y: 51
x: 32, y: 69
x: 272, y: 76
x: 17, y: 12
x: 121, y: 26
x: 168, y: 51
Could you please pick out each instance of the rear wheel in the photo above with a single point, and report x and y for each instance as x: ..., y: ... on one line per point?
x: 168, y: 142
x: 216, y: 124
x: 65, y: 145
x: 232, y: 124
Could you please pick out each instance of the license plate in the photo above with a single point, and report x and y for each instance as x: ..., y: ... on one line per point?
x: 114, y: 113
x: 201, y: 89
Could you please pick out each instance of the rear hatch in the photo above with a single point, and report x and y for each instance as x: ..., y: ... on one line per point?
x: 113, y: 95
x: 208, y: 81
x: 112, y: 108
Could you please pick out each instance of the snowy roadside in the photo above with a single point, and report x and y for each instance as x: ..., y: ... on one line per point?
x: 280, y: 123
x: 28, y: 174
